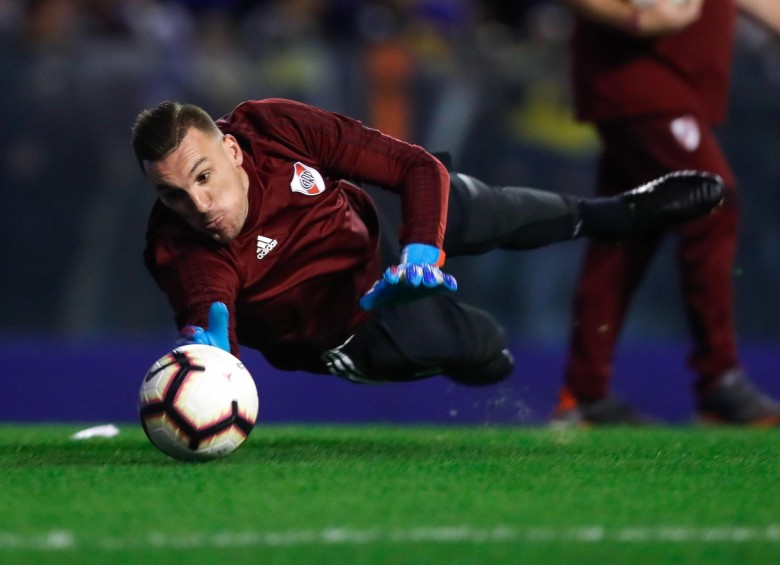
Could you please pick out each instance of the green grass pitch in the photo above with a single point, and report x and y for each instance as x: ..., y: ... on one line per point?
x: 383, y: 494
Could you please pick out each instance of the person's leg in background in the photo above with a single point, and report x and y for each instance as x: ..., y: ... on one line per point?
x: 610, y: 274
x: 634, y: 152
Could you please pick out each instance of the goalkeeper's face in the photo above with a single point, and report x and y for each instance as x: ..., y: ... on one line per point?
x: 202, y: 181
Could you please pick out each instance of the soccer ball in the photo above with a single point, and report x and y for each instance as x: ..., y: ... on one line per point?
x: 197, y: 403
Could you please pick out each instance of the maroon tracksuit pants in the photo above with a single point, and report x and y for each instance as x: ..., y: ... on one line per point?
x: 636, y: 151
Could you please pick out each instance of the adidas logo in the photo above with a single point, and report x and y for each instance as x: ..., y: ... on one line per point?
x: 264, y: 246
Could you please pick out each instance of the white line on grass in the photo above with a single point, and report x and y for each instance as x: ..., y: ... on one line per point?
x: 57, y: 540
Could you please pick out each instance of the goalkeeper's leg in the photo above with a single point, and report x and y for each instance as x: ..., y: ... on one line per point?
x: 434, y: 336
x: 483, y: 217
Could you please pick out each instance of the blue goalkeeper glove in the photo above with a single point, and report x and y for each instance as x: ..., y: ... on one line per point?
x: 417, y: 276
x: 216, y: 334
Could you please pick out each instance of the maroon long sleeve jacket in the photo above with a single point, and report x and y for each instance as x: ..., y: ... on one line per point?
x: 309, y: 249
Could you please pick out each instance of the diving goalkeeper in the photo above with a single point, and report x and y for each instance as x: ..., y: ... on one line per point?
x: 322, y: 242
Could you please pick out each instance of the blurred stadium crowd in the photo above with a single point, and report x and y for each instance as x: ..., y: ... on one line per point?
x: 483, y: 80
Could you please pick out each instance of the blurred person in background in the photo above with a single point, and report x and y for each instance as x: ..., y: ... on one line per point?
x: 653, y: 76
x: 261, y: 236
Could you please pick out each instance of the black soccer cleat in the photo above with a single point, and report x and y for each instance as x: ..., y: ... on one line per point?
x: 675, y: 197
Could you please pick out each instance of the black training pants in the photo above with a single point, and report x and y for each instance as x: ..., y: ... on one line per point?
x: 440, y: 335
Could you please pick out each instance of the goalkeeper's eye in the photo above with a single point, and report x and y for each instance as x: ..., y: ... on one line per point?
x: 176, y: 199
x: 172, y: 195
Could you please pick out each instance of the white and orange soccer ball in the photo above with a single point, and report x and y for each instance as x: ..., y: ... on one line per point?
x: 198, y: 403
